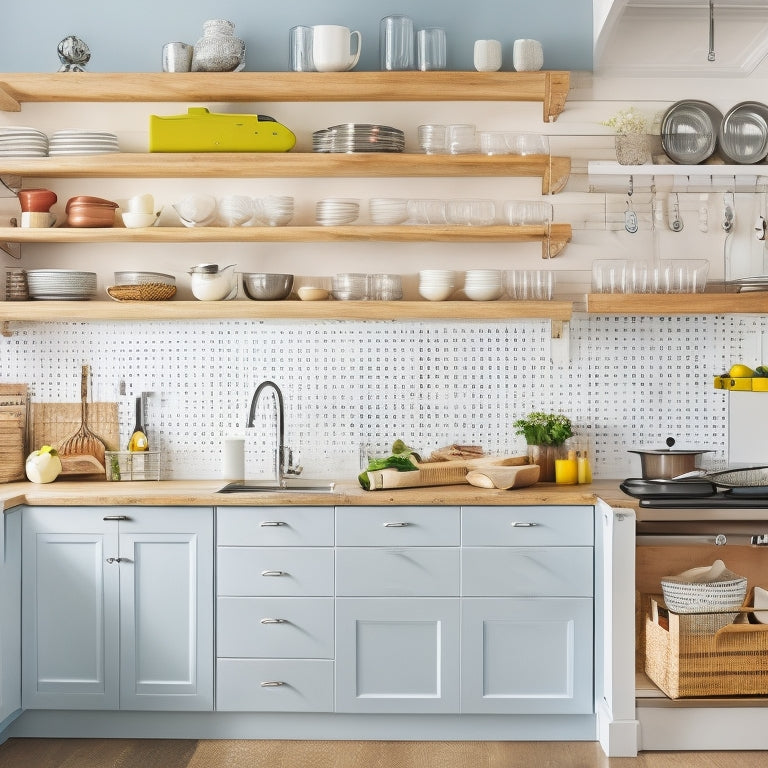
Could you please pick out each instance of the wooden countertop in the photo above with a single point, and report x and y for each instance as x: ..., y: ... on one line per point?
x: 203, y: 493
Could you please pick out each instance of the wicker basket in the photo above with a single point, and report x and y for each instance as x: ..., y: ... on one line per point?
x: 705, y: 654
x: 142, y: 292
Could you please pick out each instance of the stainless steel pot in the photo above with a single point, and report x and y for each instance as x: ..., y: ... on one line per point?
x: 666, y: 463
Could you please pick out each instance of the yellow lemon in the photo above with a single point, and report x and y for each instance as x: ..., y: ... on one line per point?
x: 740, y: 371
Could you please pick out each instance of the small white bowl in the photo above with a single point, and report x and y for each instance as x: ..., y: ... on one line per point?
x: 483, y: 292
x: 435, y: 292
x: 133, y: 220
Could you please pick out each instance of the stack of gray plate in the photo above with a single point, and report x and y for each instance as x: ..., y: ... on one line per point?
x: 61, y: 284
x: 358, y: 137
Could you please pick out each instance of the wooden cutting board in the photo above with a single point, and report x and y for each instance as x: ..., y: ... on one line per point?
x: 50, y: 423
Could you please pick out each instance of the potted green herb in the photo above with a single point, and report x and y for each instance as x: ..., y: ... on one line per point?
x: 545, y: 434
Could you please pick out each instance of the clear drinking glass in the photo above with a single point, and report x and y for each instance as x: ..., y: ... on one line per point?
x: 431, y: 48
x: 396, y: 43
x: 300, y: 49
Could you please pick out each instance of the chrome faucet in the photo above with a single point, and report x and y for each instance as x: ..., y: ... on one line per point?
x: 284, y: 465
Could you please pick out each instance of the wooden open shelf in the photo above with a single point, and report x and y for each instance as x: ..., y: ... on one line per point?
x: 553, y: 171
x: 57, y: 311
x: 548, y: 87
x: 755, y: 302
x: 552, y: 242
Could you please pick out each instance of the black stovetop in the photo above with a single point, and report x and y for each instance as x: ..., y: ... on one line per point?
x: 718, y: 501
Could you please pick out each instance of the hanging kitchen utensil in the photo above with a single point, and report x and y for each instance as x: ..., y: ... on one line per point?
x: 84, y: 443
x: 675, y: 222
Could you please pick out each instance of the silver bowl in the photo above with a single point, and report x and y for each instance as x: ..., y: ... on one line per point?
x: 264, y: 286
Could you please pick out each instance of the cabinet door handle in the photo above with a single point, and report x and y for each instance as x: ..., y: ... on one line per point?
x: 396, y: 525
x: 271, y: 523
x: 274, y: 621
x: 272, y: 683
x: 523, y: 525
x: 274, y: 573
x: 118, y: 518
x: 111, y: 560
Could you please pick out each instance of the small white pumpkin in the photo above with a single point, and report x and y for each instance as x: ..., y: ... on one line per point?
x: 43, y: 466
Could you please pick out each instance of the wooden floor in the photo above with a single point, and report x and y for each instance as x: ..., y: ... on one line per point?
x: 165, y: 753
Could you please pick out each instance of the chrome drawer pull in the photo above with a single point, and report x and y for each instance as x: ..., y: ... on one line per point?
x: 118, y: 518
x: 271, y: 523
x: 272, y: 683
x: 523, y: 525
x: 274, y: 573
x: 396, y: 525
x: 274, y: 621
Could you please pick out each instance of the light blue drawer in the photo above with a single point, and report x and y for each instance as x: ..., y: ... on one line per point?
x: 274, y: 572
x: 397, y: 572
x: 527, y: 571
x: 274, y: 685
x: 398, y: 526
x: 527, y: 526
x: 274, y: 526
x: 275, y: 627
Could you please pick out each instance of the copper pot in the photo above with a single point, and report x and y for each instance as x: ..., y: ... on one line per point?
x: 86, y: 211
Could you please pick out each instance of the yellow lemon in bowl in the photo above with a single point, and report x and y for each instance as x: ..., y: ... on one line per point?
x: 739, y: 371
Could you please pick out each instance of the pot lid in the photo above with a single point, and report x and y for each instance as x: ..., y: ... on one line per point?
x: 670, y: 451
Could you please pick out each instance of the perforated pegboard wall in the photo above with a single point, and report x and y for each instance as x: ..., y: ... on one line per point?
x: 630, y: 382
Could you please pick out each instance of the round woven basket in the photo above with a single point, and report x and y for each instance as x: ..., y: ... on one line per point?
x: 142, y: 292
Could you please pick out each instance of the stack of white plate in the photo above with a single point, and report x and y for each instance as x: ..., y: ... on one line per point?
x: 436, y: 284
x: 483, y: 284
x: 388, y: 210
x: 82, y: 142
x: 336, y: 211
x: 17, y: 141
x: 358, y: 137
x: 61, y: 284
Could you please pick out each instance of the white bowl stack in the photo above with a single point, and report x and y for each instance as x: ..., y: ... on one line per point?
x: 336, y: 211
x: 436, y: 284
x: 483, y: 284
x: 388, y: 211
x: 277, y: 210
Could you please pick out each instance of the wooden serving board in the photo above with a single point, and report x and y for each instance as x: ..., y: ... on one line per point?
x: 50, y: 423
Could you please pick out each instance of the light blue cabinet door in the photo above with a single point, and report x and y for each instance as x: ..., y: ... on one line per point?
x: 166, y: 609
x: 10, y: 613
x: 397, y: 655
x: 526, y: 656
x: 71, y: 613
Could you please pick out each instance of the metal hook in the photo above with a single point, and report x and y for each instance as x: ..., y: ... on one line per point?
x: 631, y: 186
x: 711, y: 53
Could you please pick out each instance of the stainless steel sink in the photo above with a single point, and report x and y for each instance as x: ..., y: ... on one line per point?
x: 288, y: 485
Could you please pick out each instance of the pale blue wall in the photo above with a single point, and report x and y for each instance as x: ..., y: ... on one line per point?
x: 128, y: 35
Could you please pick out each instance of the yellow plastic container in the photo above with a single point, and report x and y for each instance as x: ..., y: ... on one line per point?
x: 727, y: 382
x: 203, y: 131
x: 760, y: 384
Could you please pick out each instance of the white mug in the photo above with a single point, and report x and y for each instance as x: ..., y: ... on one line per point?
x: 487, y: 55
x: 332, y: 48
x: 37, y: 219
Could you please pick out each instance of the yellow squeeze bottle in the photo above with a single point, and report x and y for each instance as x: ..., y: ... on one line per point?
x: 583, y: 469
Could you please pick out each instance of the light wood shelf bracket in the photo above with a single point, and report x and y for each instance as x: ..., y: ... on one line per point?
x: 7, y: 102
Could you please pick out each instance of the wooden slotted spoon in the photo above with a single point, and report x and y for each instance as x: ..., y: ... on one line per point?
x: 83, y: 442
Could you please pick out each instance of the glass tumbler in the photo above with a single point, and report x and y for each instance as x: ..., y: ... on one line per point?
x: 396, y: 43
x: 431, y: 48
x: 300, y: 49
